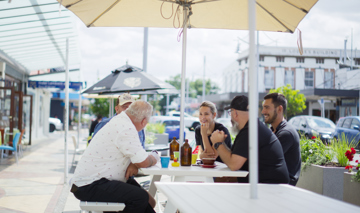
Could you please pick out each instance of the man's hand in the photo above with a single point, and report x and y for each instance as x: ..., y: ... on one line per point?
x: 217, y: 136
x: 131, y: 171
x: 155, y: 155
x: 204, y: 129
x: 206, y: 154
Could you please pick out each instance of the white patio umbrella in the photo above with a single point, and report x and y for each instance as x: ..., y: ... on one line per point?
x: 264, y: 15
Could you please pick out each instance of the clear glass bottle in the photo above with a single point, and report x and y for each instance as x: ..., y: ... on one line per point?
x: 186, y: 154
x: 174, y: 146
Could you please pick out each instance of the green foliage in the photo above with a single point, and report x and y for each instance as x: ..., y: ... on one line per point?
x: 196, y: 88
x: 149, y: 139
x: 339, y: 148
x: 100, y: 107
x: 313, y: 151
x: 157, y: 128
x: 295, y: 100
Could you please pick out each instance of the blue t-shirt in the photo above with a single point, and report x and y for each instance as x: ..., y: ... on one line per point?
x: 105, y: 121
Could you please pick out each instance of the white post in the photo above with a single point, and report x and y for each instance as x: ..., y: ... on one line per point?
x: 204, y: 82
x: 183, y: 72
x: 79, y: 118
x: 66, y: 111
x: 253, y: 104
x: 145, y: 52
x: 167, y: 103
x: 351, y: 56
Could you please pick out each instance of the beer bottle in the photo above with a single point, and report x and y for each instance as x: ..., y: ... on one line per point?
x: 174, y: 146
x: 186, y: 153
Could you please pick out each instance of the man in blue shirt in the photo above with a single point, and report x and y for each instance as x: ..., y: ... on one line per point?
x: 122, y: 103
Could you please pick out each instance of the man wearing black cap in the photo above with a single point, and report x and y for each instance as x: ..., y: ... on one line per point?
x: 272, y: 166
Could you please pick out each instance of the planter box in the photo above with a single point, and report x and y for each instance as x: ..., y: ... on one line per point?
x: 161, y: 139
x: 328, y: 181
x: 351, y: 189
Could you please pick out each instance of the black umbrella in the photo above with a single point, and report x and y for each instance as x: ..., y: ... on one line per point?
x: 127, y: 79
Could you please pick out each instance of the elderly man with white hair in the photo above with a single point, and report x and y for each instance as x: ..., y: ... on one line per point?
x: 115, y: 154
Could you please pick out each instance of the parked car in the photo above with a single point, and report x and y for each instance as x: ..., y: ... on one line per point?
x: 190, y: 122
x: 172, y: 125
x: 314, y: 126
x: 350, y: 127
x: 55, y: 124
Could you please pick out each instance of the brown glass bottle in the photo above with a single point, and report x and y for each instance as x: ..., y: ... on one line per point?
x: 174, y: 146
x: 185, y: 153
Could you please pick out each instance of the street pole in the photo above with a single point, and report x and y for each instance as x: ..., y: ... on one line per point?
x: 66, y: 111
x: 145, y: 52
x: 204, y: 82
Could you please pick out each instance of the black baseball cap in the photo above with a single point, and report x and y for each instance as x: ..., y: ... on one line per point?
x: 239, y: 103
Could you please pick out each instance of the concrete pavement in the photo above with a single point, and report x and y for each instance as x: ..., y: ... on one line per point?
x: 36, y: 184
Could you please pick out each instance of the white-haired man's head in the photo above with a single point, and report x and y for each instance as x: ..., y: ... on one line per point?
x: 139, y: 112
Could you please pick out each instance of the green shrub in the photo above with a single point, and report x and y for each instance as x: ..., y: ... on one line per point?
x: 339, y: 148
x: 156, y: 128
x: 313, y: 151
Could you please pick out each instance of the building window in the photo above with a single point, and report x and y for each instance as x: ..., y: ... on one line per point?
x: 261, y: 58
x: 329, y: 80
x: 269, y: 79
x: 300, y: 60
x: 280, y: 58
x: 239, y: 62
x: 319, y: 60
x: 289, y: 78
x: 309, y: 79
x: 246, y: 60
x: 357, y: 61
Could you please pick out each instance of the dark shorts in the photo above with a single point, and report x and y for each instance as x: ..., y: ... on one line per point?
x: 135, y: 198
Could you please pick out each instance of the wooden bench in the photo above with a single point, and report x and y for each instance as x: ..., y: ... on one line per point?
x: 96, y: 207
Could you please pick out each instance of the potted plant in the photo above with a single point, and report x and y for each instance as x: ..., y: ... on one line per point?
x: 352, y: 180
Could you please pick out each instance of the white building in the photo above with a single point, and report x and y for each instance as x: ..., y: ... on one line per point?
x: 316, y: 73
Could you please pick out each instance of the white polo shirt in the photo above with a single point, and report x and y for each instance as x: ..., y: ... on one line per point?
x: 110, y: 152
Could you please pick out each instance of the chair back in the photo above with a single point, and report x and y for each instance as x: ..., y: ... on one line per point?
x: 16, y: 140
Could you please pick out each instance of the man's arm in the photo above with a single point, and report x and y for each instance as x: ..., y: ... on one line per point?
x: 233, y: 161
x: 151, y: 160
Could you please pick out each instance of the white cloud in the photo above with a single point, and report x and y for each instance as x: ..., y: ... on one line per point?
x: 328, y: 23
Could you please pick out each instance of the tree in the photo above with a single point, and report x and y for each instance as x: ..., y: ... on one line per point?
x: 295, y: 100
x: 100, y: 106
x: 197, y: 86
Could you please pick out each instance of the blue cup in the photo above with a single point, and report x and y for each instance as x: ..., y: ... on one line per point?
x: 165, y: 160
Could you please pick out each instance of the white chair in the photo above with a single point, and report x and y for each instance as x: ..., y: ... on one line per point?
x: 97, y: 207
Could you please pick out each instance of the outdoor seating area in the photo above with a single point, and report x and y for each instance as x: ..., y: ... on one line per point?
x: 143, y: 106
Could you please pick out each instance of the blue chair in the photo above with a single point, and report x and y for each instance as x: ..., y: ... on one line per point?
x: 13, y: 148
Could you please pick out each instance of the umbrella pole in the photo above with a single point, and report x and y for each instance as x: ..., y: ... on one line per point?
x: 253, y: 104
x: 183, y: 72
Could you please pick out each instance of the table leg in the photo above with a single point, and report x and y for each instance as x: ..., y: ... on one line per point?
x: 169, y: 208
x: 152, y: 188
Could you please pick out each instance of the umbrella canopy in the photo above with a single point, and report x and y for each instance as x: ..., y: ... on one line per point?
x: 271, y: 15
x: 128, y: 79
x: 264, y: 15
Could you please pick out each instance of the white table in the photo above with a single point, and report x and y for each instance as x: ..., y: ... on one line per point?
x: 235, y: 197
x: 188, y: 174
